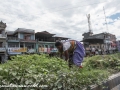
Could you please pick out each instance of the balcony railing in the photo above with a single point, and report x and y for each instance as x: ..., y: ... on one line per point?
x: 12, y: 38
x: 27, y: 40
x: 2, y: 49
x: 2, y: 36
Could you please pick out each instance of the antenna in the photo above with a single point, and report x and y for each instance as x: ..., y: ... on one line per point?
x: 89, y: 23
x: 105, y: 19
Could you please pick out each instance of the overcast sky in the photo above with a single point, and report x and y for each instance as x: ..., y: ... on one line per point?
x: 61, y: 17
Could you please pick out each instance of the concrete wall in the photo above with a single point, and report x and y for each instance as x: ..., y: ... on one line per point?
x: 110, y: 84
x: 21, y: 36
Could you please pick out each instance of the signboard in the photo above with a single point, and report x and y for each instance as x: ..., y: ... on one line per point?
x: 17, y: 49
x: 31, y: 50
x: 107, y: 41
x: 2, y: 49
x: 41, y: 49
x: 48, y: 50
x: 20, y: 50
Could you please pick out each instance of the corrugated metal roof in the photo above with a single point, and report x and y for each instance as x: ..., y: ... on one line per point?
x: 10, y: 32
x: 44, y: 32
x: 21, y: 30
x: 24, y: 30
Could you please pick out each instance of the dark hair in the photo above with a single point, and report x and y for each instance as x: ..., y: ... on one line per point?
x: 58, y: 43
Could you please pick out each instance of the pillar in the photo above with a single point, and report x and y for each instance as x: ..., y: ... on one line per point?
x: 24, y: 45
x: 19, y: 44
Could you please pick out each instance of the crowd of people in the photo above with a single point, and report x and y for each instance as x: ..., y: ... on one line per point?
x: 97, y: 51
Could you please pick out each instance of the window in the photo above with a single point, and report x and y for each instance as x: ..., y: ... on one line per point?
x: 27, y: 37
x: 97, y: 46
x: 0, y: 44
x: 90, y: 47
x: 21, y: 46
x: 46, y: 46
x: 32, y: 46
x: 29, y: 46
x: 13, y: 45
x: 40, y: 46
x: 51, y: 46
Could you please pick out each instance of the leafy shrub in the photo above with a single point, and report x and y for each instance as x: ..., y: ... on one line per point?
x: 104, y: 61
x: 53, y: 72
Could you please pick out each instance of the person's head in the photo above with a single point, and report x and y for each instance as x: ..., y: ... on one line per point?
x: 59, y: 45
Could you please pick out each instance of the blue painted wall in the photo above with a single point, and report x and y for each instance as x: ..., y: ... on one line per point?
x: 32, y: 37
x: 21, y: 36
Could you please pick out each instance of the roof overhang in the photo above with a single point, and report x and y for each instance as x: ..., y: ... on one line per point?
x: 43, y: 34
x: 93, y: 40
x: 45, y: 42
x: 63, y: 38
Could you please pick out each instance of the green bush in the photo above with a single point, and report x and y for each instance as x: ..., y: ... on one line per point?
x: 51, y: 72
x: 105, y: 61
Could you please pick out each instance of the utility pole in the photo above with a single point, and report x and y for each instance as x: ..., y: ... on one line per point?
x: 106, y: 44
x: 105, y: 19
x: 89, y: 24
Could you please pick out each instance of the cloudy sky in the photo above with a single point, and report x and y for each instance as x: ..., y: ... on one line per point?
x: 65, y: 18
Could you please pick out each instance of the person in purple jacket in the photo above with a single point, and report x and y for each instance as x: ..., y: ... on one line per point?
x: 73, y: 51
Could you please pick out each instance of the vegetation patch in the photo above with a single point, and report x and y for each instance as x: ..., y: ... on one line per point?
x: 54, y: 74
x: 108, y: 62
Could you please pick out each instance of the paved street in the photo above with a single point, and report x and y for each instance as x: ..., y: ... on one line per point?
x: 117, y: 87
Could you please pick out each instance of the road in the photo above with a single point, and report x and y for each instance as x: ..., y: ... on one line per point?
x: 116, y: 88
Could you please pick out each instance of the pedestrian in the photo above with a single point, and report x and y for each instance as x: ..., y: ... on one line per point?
x: 93, y: 50
x: 100, y: 51
x: 73, y: 51
x: 96, y: 52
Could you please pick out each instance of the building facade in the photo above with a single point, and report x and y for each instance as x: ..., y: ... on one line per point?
x: 21, y: 41
x: 105, y: 42
x: 46, y: 42
x: 3, y: 43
